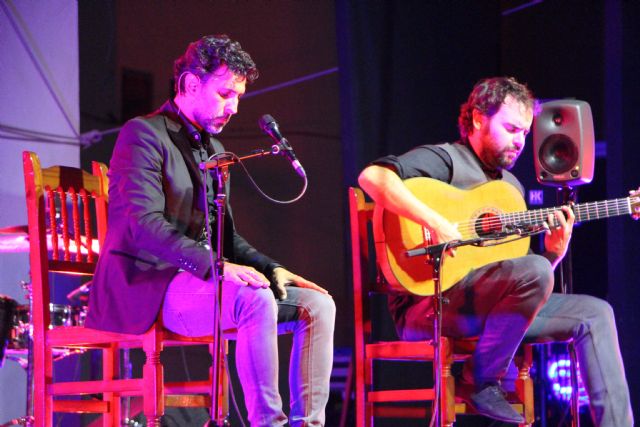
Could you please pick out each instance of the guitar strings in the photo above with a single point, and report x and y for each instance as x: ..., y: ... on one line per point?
x: 588, y: 211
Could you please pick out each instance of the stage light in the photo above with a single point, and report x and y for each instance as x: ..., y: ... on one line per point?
x: 559, y: 376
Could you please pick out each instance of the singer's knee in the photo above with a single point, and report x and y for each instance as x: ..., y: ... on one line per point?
x: 257, y: 305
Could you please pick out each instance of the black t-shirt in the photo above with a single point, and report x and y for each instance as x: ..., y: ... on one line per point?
x: 423, y: 161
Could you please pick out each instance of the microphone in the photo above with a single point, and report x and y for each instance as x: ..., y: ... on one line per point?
x: 270, y: 127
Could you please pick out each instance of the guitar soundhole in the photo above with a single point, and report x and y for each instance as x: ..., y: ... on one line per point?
x: 488, y: 223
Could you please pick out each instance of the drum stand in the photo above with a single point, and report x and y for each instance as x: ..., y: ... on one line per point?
x: 28, y: 420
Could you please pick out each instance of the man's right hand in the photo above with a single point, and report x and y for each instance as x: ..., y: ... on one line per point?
x: 446, y: 231
x: 386, y: 188
x: 243, y: 275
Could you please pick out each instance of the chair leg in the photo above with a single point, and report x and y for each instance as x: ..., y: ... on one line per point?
x: 368, y: 414
x: 221, y: 389
x: 346, y: 400
x: 110, y: 371
x: 447, y: 385
x: 42, y: 401
x: 364, y: 409
x: 153, y: 378
x: 524, y: 385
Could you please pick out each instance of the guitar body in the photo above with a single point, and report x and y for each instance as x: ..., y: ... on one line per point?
x: 470, y: 209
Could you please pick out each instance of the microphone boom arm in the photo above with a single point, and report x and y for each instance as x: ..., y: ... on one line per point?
x: 230, y: 159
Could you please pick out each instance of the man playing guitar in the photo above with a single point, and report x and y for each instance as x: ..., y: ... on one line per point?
x: 510, y: 299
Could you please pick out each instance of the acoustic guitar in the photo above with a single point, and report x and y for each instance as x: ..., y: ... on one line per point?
x: 495, y: 208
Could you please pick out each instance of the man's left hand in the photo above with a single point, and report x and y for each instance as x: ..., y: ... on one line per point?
x: 634, y: 194
x: 556, y: 239
x: 283, y: 277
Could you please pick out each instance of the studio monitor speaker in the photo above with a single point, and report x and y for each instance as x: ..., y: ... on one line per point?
x: 564, y: 143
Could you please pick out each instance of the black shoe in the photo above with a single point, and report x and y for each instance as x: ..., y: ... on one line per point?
x: 490, y: 402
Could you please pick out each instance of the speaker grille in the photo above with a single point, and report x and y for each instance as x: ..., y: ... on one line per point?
x: 558, y: 154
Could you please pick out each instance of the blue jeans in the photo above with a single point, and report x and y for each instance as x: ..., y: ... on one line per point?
x: 505, y: 302
x: 258, y: 318
x: 495, y: 303
x: 590, y: 323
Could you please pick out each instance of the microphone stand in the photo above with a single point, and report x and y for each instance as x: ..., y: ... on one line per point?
x: 569, y: 195
x: 438, y: 301
x: 435, y: 255
x: 220, y: 167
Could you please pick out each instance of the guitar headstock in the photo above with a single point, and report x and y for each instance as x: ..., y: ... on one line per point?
x: 634, y: 201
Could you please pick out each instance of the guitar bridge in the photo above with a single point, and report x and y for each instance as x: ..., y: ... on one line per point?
x: 428, y: 241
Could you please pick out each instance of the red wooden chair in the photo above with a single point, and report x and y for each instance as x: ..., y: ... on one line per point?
x: 67, y: 217
x: 372, y: 402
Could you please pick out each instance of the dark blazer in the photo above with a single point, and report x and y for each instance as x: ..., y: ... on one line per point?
x: 156, y: 213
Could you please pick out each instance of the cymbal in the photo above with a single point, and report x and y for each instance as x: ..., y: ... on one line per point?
x: 15, y: 229
x: 14, y: 239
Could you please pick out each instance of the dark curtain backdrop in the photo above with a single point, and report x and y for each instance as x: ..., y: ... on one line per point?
x: 405, y: 68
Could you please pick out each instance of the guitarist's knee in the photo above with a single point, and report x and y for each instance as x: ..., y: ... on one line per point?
x: 536, y: 276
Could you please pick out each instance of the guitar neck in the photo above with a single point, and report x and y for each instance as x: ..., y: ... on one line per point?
x: 583, y: 212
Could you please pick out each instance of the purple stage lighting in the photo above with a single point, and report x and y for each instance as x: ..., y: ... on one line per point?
x: 559, y: 376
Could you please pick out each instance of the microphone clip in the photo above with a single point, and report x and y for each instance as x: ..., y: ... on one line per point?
x: 281, y: 147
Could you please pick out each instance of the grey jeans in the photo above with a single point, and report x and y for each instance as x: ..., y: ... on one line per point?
x: 505, y: 302
x: 590, y: 322
x: 258, y: 318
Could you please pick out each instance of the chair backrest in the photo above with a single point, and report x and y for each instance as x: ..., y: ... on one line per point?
x: 67, y: 220
x: 360, y: 215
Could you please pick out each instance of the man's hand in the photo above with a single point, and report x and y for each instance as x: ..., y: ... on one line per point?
x: 243, y: 275
x: 388, y: 191
x: 446, y: 231
x: 283, y: 277
x: 557, y: 236
x: 635, y: 194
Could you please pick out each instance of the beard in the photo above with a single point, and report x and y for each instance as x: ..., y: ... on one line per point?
x: 507, y: 158
x: 494, y: 157
x: 212, y: 125
x: 503, y: 159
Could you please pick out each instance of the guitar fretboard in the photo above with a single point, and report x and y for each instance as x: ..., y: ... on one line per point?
x: 583, y: 212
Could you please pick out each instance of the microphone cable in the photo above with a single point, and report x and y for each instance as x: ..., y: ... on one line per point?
x: 237, y: 159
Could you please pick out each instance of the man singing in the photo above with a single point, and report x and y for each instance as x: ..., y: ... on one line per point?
x: 156, y: 258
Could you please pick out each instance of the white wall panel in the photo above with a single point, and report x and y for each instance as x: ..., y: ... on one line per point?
x: 39, y: 91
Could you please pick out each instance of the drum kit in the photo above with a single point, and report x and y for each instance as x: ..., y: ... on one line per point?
x: 15, y: 319
x: 15, y: 327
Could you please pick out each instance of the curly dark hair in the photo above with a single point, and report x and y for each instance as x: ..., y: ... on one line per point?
x: 488, y: 95
x: 204, y: 56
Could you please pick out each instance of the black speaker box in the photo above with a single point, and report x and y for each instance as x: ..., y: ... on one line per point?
x: 564, y: 143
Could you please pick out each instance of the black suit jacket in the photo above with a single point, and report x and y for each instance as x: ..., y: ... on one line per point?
x: 156, y: 213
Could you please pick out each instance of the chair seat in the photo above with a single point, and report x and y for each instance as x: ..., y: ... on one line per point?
x: 81, y: 336
x: 418, y: 350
